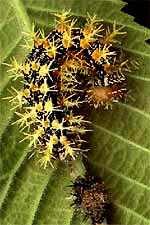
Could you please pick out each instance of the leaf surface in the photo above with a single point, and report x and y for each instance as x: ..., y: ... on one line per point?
x: 120, y: 142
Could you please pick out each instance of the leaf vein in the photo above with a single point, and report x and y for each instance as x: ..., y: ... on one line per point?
x: 82, y: 15
x: 122, y: 138
x: 132, y: 108
x: 118, y: 174
x: 131, y: 211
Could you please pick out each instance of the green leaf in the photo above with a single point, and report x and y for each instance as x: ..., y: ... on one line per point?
x: 120, y: 143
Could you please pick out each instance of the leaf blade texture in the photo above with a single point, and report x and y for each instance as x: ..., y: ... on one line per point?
x: 120, y: 143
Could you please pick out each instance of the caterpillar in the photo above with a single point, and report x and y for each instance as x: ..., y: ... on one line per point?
x: 90, y: 198
x: 64, y: 69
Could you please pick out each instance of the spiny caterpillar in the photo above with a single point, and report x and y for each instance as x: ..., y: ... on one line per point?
x: 67, y: 67
x: 90, y: 199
